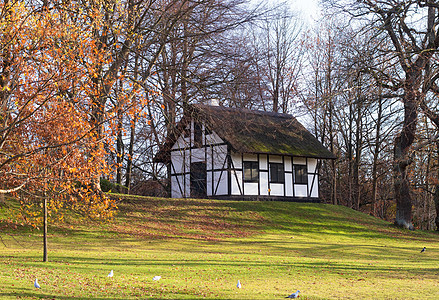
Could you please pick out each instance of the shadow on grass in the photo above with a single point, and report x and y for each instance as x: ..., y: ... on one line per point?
x: 324, y: 219
x: 36, y: 295
x: 333, y: 257
x: 25, y: 293
x: 257, y: 216
x: 158, y: 219
x: 198, y: 219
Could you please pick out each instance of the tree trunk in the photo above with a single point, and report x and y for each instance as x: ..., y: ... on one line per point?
x: 333, y: 163
x: 350, y: 156
x: 119, y: 150
x: 358, y: 146
x: 45, y: 255
x: 436, y: 193
x: 436, y: 205
x: 130, y: 156
x: 403, y: 216
x: 376, y: 152
x: 97, y: 120
x: 401, y: 161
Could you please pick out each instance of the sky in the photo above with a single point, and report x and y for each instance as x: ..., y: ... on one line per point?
x: 309, y: 8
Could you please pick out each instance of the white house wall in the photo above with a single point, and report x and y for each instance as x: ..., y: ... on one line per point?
x: 224, y: 170
x: 287, y: 164
x: 187, y: 160
x: 264, y: 187
x: 212, y: 139
x: 300, y: 190
x: 250, y: 157
x: 313, y: 177
x: 221, y: 185
x: 264, y: 184
x: 236, y: 182
x: 289, y: 184
x: 275, y: 159
x: 263, y: 162
x: 213, y: 152
x: 236, y: 160
x: 299, y: 161
x: 198, y: 155
x: 175, y: 186
x: 181, y: 143
x: 251, y: 188
x: 276, y: 189
x: 209, y: 184
x: 313, y: 188
x: 312, y: 165
x: 219, y: 154
x: 187, y: 186
x: 177, y: 158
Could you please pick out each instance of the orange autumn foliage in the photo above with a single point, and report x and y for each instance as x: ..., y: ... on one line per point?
x: 48, y: 145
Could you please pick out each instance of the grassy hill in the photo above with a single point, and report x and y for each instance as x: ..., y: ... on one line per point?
x: 201, y: 248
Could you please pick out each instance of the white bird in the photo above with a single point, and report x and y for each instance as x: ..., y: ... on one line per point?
x: 238, y: 285
x: 157, y: 278
x: 294, y: 295
x: 36, y: 285
x: 110, y: 274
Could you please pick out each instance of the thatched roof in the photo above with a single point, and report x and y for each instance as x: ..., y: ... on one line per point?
x: 249, y: 131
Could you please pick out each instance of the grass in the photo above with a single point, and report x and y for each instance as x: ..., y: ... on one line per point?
x: 202, y: 247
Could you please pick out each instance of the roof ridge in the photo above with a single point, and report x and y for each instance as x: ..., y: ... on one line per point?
x: 247, y: 110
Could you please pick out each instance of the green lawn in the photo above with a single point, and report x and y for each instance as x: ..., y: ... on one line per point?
x: 201, y: 248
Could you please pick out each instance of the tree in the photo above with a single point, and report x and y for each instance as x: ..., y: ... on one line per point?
x: 47, y: 146
x: 193, y: 66
x: 321, y: 96
x: 279, y: 60
x: 350, y: 113
x: 410, y: 30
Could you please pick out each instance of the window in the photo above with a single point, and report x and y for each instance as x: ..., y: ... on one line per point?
x: 300, y: 174
x: 277, y: 174
x: 198, y: 138
x: 251, y: 171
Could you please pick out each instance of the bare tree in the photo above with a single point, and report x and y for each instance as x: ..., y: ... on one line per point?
x: 277, y: 55
x: 351, y: 115
x: 180, y: 66
x: 322, y: 96
x: 409, y: 29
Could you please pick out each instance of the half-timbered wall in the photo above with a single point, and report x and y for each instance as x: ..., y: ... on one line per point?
x: 299, y: 179
x: 225, y: 170
x: 212, y: 151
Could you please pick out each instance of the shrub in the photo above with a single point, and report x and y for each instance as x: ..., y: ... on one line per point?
x: 108, y: 186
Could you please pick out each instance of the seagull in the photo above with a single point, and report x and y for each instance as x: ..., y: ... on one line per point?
x: 238, y: 285
x: 294, y: 295
x: 156, y: 278
x: 110, y: 274
x: 423, y: 249
x: 36, y: 285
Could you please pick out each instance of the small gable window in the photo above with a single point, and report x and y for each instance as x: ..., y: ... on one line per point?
x: 300, y: 174
x: 277, y: 174
x: 251, y: 171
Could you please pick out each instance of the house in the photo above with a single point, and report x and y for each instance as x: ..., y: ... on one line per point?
x: 220, y: 152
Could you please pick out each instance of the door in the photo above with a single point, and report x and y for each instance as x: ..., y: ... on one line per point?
x: 198, y: 180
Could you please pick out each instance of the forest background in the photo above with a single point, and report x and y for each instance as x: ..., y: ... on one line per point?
x: 89, y: 90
